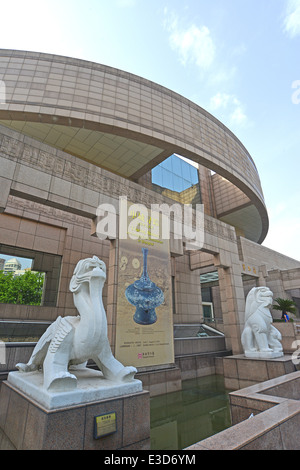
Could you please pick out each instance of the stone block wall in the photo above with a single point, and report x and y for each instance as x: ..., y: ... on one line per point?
x: 274, y: 426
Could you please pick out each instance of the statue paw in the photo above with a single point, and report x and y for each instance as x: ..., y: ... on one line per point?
x: 26, y: 367
x: 127, y: 374
x: 62, y: 382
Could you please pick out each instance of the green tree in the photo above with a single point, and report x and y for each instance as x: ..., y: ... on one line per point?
x: 26, y: 289
x: 285, y: 306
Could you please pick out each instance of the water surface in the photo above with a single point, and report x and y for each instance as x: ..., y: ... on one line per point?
x: 200, y: 410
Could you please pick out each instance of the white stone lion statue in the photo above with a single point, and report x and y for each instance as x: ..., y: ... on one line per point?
x: 260, y: 338
x: 71, y: 341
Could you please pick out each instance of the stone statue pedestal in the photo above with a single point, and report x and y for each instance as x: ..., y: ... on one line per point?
x: 33, y: 419
x: 263, y: 355
x: 241, y: 371
x: 91, y: 386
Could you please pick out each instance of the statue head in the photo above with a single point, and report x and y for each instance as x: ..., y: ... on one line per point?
x: 258, y: 297
x: 85, y: 270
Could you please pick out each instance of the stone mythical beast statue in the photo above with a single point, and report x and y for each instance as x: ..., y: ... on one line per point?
x: 70, y: 342
x: 260, y: 338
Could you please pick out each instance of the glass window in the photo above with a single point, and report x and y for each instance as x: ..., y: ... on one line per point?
x: 157, y: 176
x: 179, y: 176
x: 167, y: 178
x: 167, y: 164
x: 209, y: 277
x: 178, y: 184
x: 208, y: 311
x: 206, y: 294
x: 185, y: 171
x: 176, y: 162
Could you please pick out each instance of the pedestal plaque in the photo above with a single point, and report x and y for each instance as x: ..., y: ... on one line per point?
x: 105, y: 424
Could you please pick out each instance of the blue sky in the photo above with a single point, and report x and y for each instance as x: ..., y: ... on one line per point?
x: 239, y: 59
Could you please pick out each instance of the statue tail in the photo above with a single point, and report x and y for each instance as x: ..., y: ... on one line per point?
x: 40, y: 350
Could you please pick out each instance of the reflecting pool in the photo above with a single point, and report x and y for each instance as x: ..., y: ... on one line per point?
x: 182, y: 418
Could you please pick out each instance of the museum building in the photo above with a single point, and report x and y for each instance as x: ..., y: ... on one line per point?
x: 76, y: 136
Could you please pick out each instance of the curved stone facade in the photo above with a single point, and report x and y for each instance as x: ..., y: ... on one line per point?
x: 75, y: 135
x: 121, y: 122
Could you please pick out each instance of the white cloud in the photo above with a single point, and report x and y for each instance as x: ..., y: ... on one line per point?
x: 238, y: 117
x: 126, y: 3
x: 232, y: 106
x: 194, y: 44
x: 220, y: 100
x: 292, y: 18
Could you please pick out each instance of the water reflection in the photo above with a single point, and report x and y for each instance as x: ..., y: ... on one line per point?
x: 182, y: 418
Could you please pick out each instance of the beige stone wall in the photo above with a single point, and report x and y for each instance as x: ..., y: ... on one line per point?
x: 227, y: 196
x: 207, y: 194
x: 291, y: 279
x: 260, y: 255
x: 62, y: 95
x: 187, y: 293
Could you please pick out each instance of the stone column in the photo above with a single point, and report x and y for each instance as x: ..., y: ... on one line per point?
x: 232, y: 300
x: 188, y: 292
x: 263, y: 274
x: 112, y: 292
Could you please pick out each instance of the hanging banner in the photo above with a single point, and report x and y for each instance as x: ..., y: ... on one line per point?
x: 144, y: 326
